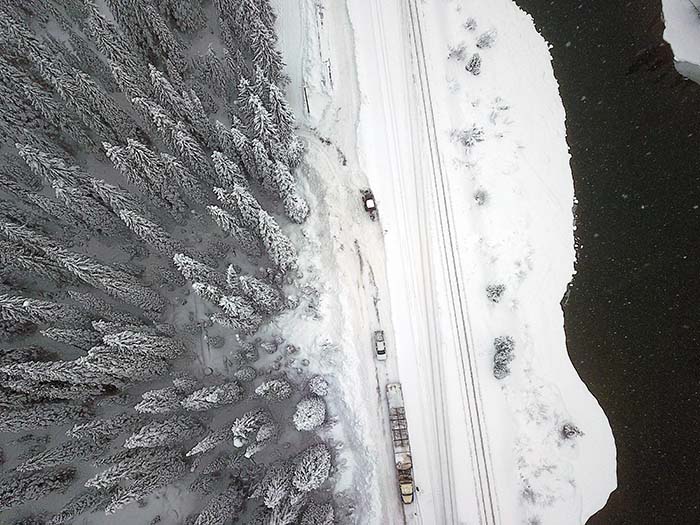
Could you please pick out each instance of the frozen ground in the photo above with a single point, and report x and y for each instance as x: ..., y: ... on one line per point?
x: 682, y: 19
x: 381, y: 104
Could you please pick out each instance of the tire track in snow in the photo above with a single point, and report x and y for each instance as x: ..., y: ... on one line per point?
x: 441, y: 423
x: 459, y: 304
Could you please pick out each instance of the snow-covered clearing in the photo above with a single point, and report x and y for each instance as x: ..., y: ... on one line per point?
x: 495, y: 208
x: 682, y: 19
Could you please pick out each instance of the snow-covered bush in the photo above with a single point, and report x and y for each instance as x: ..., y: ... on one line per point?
x: 274, y: 390
x: 570, y: 431
x: 486, y: 39
x: 481, y: 197
x: 504, y: 346
x: 213, y: 396
x: 318, y: 514
x: 310, y: 413
x: 458, y: 52
x: 318, y: 385
x: 468, y: 137
x: 245, y: 374
x: 494, y: 292
x: 473, y: 65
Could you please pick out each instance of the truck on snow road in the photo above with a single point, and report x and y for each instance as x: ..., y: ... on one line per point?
x: 399, y: 436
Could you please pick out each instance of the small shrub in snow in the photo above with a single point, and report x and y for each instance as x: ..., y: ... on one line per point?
x: 458, y: 52
x: 495, y: 292
x: 245, y: 374
x: 486, y: 39
x: 318, y: 385
x: 311, y: 468
x: 570, y: 431
x: 504, y: 346
x: 310, y: 413
x: 469, y: 137
x: 481, y: 197
x: 470, y: 24
x: 274, y: 390
x: 474, y: 64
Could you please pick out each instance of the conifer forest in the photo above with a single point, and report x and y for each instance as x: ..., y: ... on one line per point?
x: 150, y: 224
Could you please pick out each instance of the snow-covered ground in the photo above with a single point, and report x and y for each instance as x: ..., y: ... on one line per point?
x: 682, y: 20
x: 381, y: 104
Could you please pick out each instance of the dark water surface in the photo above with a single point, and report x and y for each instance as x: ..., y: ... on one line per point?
x: 632, y: 316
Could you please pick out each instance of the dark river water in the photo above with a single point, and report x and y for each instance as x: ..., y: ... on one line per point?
x: 632, y: 315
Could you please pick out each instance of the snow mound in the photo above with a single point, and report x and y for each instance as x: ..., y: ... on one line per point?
x: 682, y: 18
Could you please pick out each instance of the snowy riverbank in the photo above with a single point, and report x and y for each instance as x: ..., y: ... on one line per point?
x: 682, y: 20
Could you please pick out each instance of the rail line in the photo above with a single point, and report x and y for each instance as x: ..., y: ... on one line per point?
x: 489, y: 512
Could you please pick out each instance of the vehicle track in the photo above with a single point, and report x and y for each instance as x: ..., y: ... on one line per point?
x: 489, y: 512
x: 447, y: 496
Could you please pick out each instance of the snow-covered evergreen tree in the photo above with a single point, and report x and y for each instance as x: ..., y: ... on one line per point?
x: 233, y: 226
x: 83, y: 339
x: 196, y: 271
x: 266, y: 298
x: 274, y: 390
x: 165, y: 433
x: 101, y: 429
x: 311, y: 468
x: 213, y: 396
x: 160, y: 401
x: 278, y: 246
x: 224, y: 507
x: 23, y: 487
x: 85, y: 501
x: 144, y: 343
x: 160, y: 476
x: 40, y: 416
x: 210, y: 441
x: 318, y: 514
x: 64, y: 454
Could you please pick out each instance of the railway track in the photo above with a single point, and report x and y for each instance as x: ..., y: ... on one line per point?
x: 486, y: 494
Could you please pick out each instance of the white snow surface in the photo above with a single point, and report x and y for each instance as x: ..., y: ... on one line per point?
x: 484, y: 450
x: 682, y: 32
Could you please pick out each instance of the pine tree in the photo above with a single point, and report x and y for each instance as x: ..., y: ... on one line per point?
x: 210, y: 441
x: 311, y: 468
x: 20, y: 488
x: 85, y: 501
x: 275, y: 485
x: 101, y: 429
x: 79, y: 338
x: 241, y: 314
x: 96, y: 306
x: 188, y: 15
x: 274, y: 390
x: 151, y: 233
x: 177, y: 173
x: 248, y: 424
x: 143, y: 343
x: 281, y: 114
x: 196, y: 271
x: 214, y: 73
x: 161, y: 476
x: 264, y: 297
x: 165, y: 433
x: 208, y: 292
x: 64, y: 454
x: 115, y: 283
x: 131, y: 464
x: 19, y: 308
x: 310, y: 413
x: 124, y: 364
x: 227, y: 172
x: 233, y: 226
x: 318, y: 514
x: 278, y: 246
x: 223, y: 508
x: 165, y: 94
x: 244, y: 204
x: 213, y: 396
x: 161, y: 401
x: 74, y: 372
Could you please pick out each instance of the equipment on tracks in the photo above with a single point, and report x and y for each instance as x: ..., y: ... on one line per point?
x: 399, y: 437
